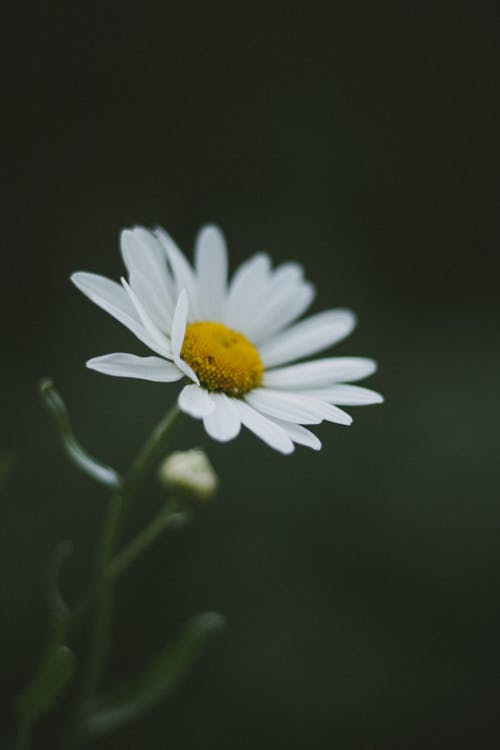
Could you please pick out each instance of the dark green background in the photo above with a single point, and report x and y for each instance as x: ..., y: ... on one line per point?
x: 361, y: 584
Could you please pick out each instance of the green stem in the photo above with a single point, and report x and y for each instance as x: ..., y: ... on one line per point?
x: 119, y: 504
x: 24, y: 733
x: 147, y: 457
x: 167, y: 518
x: 101, y: 625
x: 102, y: 590
x: 104, y: 601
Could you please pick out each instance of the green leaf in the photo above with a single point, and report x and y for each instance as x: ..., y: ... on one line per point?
x: 76, y: 453
x: 55, y: 672
x: 157, y: 680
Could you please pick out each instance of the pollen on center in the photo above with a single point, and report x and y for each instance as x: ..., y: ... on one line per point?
x: 224, y: 360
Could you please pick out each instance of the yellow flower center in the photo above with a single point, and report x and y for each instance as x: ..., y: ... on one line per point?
x: 224, y: 360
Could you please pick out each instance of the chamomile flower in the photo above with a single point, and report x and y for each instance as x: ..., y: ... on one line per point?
x: 237, y: 342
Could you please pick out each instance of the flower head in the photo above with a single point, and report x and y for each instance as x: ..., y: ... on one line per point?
x: 234, y: 341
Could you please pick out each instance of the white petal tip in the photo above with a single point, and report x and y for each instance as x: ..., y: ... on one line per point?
x: 210, y: 227
x: 186, y: 369
x: 341, y: 417
x: 316, y: 446
x: 351, y: 322
x: 93, y: 364
x: 125, y: 234
x: 195, y: 401
x: 81, y: 279
x: 225, y: 439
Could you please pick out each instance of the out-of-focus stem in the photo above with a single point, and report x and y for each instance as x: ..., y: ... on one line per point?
x: 110, y: 566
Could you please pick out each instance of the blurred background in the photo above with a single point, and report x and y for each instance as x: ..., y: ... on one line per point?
x: 360, y: 584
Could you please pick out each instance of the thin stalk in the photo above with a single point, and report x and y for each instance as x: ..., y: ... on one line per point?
x: 104, y: 601
x: 119, y: 505
x: 23, y: 738
x: 165, y: 519
x: 101, y: 625
x: 168, y: 517
x: 147, y: 457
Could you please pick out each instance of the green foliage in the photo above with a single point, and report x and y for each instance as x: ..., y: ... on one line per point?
x: 76, y: 453
x: 157, y: 680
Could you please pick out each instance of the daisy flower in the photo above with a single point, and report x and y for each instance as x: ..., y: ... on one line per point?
x: 237, y: 342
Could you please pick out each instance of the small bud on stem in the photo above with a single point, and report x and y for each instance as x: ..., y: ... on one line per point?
x: 190, y: 473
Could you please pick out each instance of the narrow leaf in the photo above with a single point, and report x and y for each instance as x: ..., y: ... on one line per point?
x: 157, y: 680
x: 76, y: 453
x: 55, y: 672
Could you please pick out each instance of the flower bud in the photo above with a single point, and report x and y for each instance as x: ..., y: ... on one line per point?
x: 191, y: 473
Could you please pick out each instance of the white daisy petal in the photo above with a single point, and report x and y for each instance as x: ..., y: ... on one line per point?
x: 295, y: 407
x: 286, y: 273
x: 249, y: 277
x: 183, y: 273
x: 282, y: 308
x: 308, y: 337
x: 129, y: 366
x: 148, y: 238
x: 113, y: 298
x: 345, y: 395
x: 261, y: 301
x: 162, y: 345
x: 319, y: 373
x: 266, y: 429
x: 187, y: 370
x: 159, y: 309
x: 196, y: 401
x: 104, y: 292
x: 223, y: 423
x: 300, y: 435
x: 142, y: 252
x: 108, y: 295
x: 155, y: 246
x: 179, y: 323
x: 332, y: 413
x: 283, y: 405
x: 178, y: 332
x: 211, y: 268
